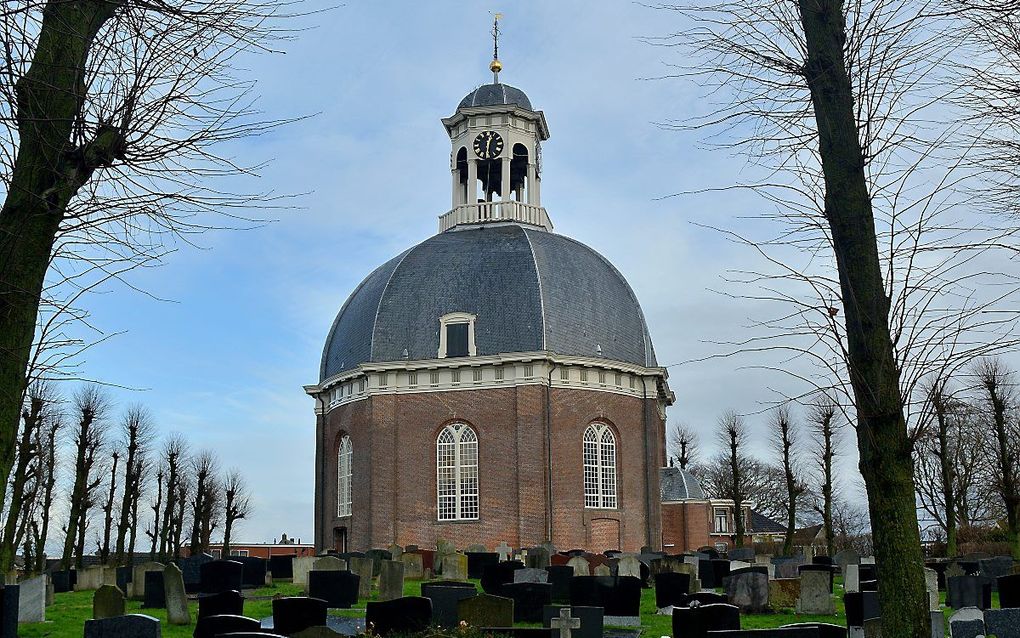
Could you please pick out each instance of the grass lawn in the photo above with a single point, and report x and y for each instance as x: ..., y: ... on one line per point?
x: 66, y: 617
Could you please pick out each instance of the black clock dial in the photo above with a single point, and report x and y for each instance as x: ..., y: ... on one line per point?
x: 488, y: 145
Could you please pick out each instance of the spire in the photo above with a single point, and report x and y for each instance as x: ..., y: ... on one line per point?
x: 495, y: 66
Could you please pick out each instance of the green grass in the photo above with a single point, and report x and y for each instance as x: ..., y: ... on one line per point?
x: 66, y: 617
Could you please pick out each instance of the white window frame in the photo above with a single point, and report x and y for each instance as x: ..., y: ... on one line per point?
x: 599, y: 447
x: 725, y: 513
x: 455, y: 318
x: 344, y: 476
x: 457, y: 490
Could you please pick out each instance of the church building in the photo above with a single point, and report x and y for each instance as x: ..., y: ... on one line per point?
x: 495, y: 382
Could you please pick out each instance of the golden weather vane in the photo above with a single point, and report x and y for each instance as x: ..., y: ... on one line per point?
x: 496, y: 66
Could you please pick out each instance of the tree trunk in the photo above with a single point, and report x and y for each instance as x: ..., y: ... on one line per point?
x: 26, y: 453
x: 738, y: 496
x: 948, y: 472
x: 885, y: 450
x: 104, y: 552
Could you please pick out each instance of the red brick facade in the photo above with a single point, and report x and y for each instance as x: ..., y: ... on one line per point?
x: 394, y: 469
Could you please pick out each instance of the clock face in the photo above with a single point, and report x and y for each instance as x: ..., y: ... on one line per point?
x: 488, y: 145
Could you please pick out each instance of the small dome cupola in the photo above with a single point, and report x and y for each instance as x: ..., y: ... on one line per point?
x: 495, y: 161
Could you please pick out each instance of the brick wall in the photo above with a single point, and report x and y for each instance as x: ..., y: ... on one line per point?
x: 394, y: 464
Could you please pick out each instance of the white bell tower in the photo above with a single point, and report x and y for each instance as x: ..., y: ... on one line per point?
x: 495, y: 161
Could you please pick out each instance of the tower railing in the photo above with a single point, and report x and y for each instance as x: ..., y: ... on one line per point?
x: 486, y: 212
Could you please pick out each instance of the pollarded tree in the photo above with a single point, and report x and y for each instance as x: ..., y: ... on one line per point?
x: 684, y: 443
x: 732, y: 436
x: 784, y: 441
x: 137, y: 434
x: 205, y: 506
x: 823, y: 416
x: 237, y: 505
x: 998, y: 391
x: 91, y: 408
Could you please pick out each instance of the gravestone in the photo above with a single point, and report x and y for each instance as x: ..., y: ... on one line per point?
x: 602, y: 570
x: 591, y: 620
x: 931, y: 583
x: 784, y: 593
x: 846, y: 557
x: 445, y: 598
x: 396, y: 551
x: 495, y: 576
x: 329, y: 564
x: 741, y: 553
x: 363, y: 568
x: 253, y: 571
x: 138, y: 578
x: 706, y: 573
x: 61, y: 580
x: 1009, y: 591
x: 968, y: 591
x: 296, y: 613
x: 529, y: 599
x: 968, y: 622
x: 215, y: 626
x: 629, y: 566
x: 696, y: 622
x: 32, y: 599
x: 176, y: 597
x: 559, y: 577
x: 992, y: 568
x: 580, y: 565
x: 538, y: 558
x: 504, y: 551
x: 815, y: 597
x: 486, y: 610
x: 220, y: 575
x: 282, y: 567
x: 938, y: 624
x: 748, y: 590
x: 720, y: 570
x: 692, y: 572
x: 413, y: 568
x: 89, y: 578
x: 670, y: 588
x: 565, y: 623
x: 130, y: 626
x: 739, y: 564
x: 378, y: 556
x: 391, y: 580
x: 338, y: 590
x: 300, y: 567
x: 860, y: 607
x: 191, y: 571
x: 825, y: 569
x: 227, y: 603
x: 455, y: 567
x: 107, y: 602
x: 9, y: 604
x: 122, y: 578
x: 1002, y: 623
x: 155, y: 596
x: 852, y: 578
x: 477, y: 562
x: 403, y: 615
x: 529, y: 575
x: 788, y: 567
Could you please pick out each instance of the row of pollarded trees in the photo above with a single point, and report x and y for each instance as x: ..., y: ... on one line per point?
x: 796, y: 485
x: 123, y: 492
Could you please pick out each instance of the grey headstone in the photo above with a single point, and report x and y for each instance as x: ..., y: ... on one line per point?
x: 931, y: 583
x: 629, y: 566
x: 538, y: 558
x: 475, y: 548
x: 363, y: 567
x: 391, y: 579
x: 130, y: 626
x: 396, y: 551
x: 455, y: 566
x: 107, y: 602
x: 486, y: 610
x: 1003, y: 623
x: 413, y: 566
x: 32, y: 600
x: 580, y: 565
x: 741, y: 554
x: 968, y: 622
x: 968, y: 591
x: 938, y: 624
x: 602, y: 570
x: 529, y: 575
x: 300, y: 568
x: 814, y: 594
x: 852, y: 578
x: 748, y: 590
x: 177, y: 612
x: 328, y: 564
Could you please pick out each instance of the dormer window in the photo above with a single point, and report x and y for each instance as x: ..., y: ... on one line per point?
x: 457, y: 335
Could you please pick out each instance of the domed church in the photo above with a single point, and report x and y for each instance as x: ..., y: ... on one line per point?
x: 496, y: 382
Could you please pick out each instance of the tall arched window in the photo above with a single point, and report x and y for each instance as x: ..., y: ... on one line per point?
x: 599, y: 467
x: 344, y: 473
x: 457, y: 473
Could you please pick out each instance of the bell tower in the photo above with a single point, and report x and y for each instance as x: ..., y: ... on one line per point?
x: 496, y: 156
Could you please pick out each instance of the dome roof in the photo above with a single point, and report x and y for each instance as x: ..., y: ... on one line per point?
x: 496, y: 95
x: 679, y: 485
x: 530, y: 290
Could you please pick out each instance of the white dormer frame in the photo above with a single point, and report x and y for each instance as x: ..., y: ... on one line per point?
x: 455, y: 318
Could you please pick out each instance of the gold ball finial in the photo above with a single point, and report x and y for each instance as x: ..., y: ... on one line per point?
x: 496, y: 66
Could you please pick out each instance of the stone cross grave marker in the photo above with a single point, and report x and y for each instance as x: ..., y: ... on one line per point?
x: 565, y: 623
x: 504, y: 551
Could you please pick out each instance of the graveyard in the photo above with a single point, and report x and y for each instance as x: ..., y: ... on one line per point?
x: 532, y: 593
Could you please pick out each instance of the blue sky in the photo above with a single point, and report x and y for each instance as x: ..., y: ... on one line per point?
x: 225, y: 359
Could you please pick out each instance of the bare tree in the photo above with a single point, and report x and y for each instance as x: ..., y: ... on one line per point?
x: 138, y: 432
x: 732, y: 436
x: 238, y: 505
x: 762, y: 483
x: 823, y: 415
x: 104, y: 546
x: 169, y: 520
x: 784, y: 441
x: 90, y: 412
x: 48, y: 461
x: 205, y: 506
x: 998, y: 388
x: 684, y: 443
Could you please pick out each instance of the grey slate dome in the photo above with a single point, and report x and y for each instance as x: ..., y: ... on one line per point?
x: 496, y: 95
x: 678, y: 485
x: 530, y: 290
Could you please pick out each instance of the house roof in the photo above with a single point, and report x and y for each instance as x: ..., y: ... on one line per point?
x: 678, y: 485
x: 764, y: 525
x: 807, y: 535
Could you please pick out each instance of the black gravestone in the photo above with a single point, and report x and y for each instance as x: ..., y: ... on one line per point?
x: 761, y: 569
x: 495, y: 576
x: 378, y: 556
x: 696, y: 622
x: 741, y: 553
x: 73, y: 578
x: 529, y: 599
x: 968, y: 591
x: 1009, y: 591
x: 191, y: 570
x: 817, y: 567
x: 226, y: 603
x: 809, y: 631
x: 61, y: 580
x: 939, y: 567
x: 868, y: 585
x: 861, y: 606
x: 670, y: 588
x: 123, y: 578
x: 621, y: 595
x: 253, y: 571
x: 720, y: 570
x: 992, y: 568
x: 213, y: 626
x: 402, y: 615
x: 518, y: 632
x: 9, y: 599
x: 281, y: 566
x: 707, y: 573
x: 823, y: 560
x: 559, y: 578
x: 220, y: 575
x: 867, y: 572
x: 824, y: 630
x: 711, y: 552
x: 478, y: 561
x: 291, y: 615
x: 338, y: 589
x: 444, y: 596
x: 155, y: 591
x: 704, y: 598
x: 129, y: 626
x: 591, y: 620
